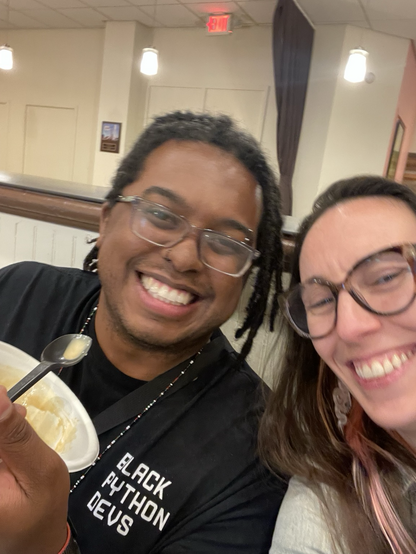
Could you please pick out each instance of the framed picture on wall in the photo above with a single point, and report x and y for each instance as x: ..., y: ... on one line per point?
x: 110, y: 137
x: 395, y: 149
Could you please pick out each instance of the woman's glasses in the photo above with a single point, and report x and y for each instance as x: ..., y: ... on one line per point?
x: 383, y: 284
x: 159, y: 225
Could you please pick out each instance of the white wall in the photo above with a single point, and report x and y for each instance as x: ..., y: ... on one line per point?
x: 263, y: 357
x: 122, y: 92
x: 323, y: 75
x: 363, y: 114
x: 53, y: 102
x: 231, y: 73
x: 347, y: 126
x: 49, y: 101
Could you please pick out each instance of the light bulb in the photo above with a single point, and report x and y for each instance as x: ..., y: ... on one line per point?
x: 356, y: 67
x: 6, y: 57
x: 149, y: 63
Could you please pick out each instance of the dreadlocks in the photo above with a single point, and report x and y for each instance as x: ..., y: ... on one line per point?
x: 219, y: 131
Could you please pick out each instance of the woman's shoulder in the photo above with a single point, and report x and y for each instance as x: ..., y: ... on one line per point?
x: 301, y: 526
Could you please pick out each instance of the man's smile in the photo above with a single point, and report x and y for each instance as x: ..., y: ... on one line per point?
x: 165, y: 293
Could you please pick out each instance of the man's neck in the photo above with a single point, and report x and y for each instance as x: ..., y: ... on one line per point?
x: 138, y: 361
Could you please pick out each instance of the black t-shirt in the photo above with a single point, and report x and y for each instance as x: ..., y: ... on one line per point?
x: 185, y: 477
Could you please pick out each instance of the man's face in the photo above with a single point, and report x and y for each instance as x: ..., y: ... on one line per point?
x: 162, y: 297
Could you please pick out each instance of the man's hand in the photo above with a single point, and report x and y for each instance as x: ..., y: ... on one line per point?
x: 34, y: 487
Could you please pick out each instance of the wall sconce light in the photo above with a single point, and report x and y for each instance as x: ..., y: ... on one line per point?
x: 356, y: 67
x: 149, y: 64
x: 6, y: 53
x: 6, y: 57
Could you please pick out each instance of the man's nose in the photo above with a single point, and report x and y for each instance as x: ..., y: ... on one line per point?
x: 184, y: 255
x: 354, y: 321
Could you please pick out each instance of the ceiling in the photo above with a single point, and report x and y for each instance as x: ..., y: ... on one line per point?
x: 396, y: 17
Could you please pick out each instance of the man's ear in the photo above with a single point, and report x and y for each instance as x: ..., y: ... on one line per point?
x: 104, y: 215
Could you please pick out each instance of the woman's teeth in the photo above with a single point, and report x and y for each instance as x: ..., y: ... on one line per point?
x: 384, y: 367
x: 166, y: 294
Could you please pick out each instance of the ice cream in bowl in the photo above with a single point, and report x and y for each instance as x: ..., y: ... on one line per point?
x: 53, y: 410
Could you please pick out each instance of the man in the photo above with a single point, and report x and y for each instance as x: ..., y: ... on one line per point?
x: 193, y: 206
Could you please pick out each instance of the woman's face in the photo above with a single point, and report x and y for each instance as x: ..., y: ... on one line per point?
x: 340, y: 238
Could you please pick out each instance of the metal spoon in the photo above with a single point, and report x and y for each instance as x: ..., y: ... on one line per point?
x: 64, y: 351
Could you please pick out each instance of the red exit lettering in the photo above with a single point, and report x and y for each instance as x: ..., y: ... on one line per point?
x: 218, y: 24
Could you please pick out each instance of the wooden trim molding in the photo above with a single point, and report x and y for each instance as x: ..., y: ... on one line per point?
x: 70, y: 212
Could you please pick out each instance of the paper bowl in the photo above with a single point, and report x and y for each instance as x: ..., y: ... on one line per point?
x: 84, y: 447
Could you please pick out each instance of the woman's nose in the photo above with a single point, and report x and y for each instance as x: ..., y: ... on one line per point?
x: 354, y: 321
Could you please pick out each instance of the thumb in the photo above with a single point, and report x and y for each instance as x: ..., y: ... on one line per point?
x: 5, y: 404
x: 19, y: 444
x: 34, y: 487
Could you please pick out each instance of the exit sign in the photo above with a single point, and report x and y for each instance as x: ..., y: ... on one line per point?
x: 219, y: 24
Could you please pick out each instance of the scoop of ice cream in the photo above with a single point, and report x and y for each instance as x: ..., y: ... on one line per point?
x: 47, y: 425
x: 45, y: 412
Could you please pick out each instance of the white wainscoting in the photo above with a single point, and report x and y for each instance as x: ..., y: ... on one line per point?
x: 23, y: 239
x: 263, y: 355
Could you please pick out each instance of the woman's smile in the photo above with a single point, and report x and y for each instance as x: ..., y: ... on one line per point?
x: 374, y: 355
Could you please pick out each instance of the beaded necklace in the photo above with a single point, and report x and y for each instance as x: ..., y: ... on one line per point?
x: 138, y: 416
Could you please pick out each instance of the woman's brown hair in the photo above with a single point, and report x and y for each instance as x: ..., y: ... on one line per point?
x: 366, y: 468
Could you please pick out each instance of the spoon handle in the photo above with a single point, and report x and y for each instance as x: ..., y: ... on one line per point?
x: 30, y: 379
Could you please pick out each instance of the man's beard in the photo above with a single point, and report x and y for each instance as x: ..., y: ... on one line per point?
x: 182, y: 346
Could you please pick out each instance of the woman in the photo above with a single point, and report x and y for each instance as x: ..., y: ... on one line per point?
x: 343, y: 416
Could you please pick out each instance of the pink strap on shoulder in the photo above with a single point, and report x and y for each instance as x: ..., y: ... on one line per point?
x: 67, y: 540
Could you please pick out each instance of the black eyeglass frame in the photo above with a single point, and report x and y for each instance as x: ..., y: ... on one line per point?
x: 407, y: 250
x: 253, y: 253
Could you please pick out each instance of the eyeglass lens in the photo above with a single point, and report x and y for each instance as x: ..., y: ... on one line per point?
x: 384, y: 283
x: 160, y: 226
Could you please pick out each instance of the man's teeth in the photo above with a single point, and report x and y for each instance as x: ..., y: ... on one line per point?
x: 166, y: 294
x: 380, y: 368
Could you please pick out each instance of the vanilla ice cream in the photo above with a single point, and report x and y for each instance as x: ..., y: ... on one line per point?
x: 45, y: 411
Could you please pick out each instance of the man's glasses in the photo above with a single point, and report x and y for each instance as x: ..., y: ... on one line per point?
x: 159, y: 225
x: 383, y: 284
